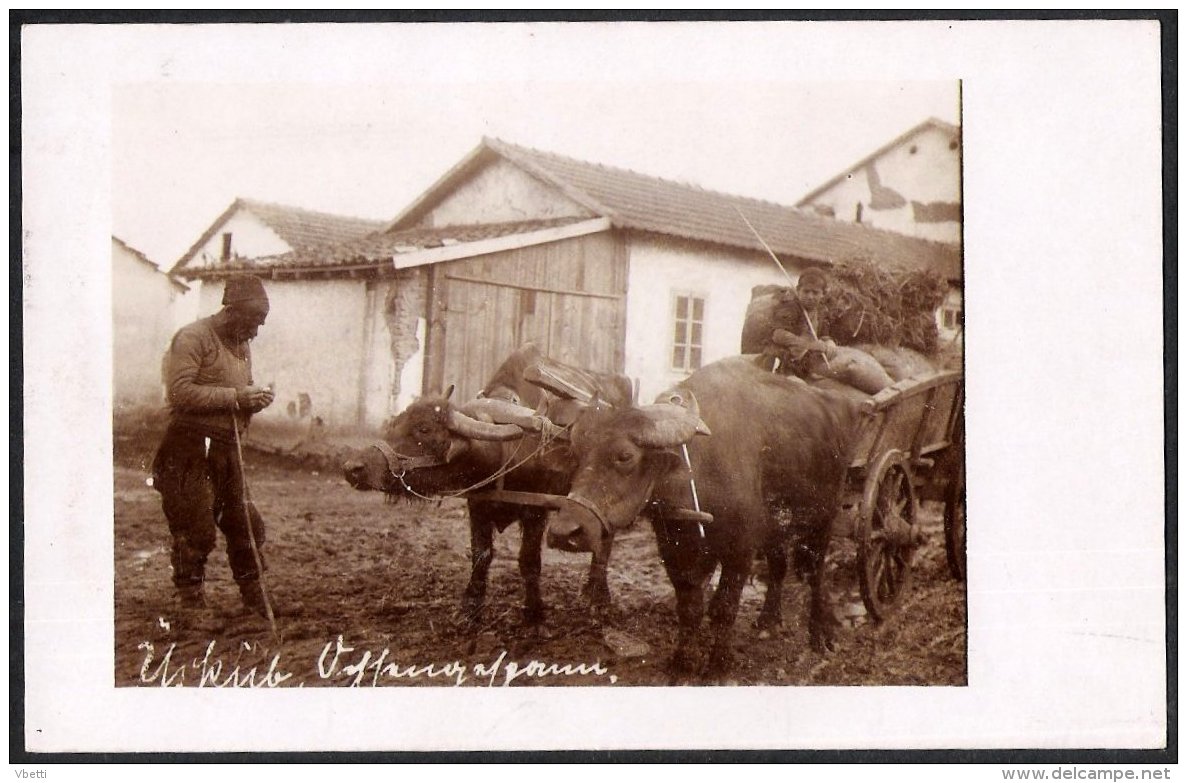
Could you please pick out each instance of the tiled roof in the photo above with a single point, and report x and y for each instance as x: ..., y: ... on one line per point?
x: 630, y: 201
x: 301, y: 229
x: 637, y: 201
x: 378, y: 249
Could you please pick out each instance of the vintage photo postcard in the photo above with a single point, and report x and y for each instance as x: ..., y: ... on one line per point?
x: 807, y: 373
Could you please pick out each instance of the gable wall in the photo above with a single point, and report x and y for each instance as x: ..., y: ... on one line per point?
x: 501, y: 193
x: 930, y: 174
x: 143, y: 301
x: 250, y: 238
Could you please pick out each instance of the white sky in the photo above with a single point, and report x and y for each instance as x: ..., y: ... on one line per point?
x: 183, y: 150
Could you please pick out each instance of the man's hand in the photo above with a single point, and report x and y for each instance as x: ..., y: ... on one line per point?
x: 254, y: 398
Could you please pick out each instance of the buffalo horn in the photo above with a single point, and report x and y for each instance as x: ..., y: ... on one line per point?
x: 667, y: 426
x: 469, y: 427
x: 664, y: 411
x: 503, y: 412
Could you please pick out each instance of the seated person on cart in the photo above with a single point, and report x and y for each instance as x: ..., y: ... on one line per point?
x: 799, y: 343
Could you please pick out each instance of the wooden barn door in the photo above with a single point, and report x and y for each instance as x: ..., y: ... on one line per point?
x: 567, y: 297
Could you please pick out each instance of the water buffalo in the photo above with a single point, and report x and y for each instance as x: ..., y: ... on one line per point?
x: 437, y: 448
x: 777, y: 447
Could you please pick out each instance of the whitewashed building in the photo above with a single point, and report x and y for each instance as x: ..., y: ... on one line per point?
x: 144, y: 305
x: 313, y: 344
x: 911, y: 185
x: 604, y: 268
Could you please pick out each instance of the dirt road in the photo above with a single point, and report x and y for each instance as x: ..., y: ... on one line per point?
x: 372, y: 590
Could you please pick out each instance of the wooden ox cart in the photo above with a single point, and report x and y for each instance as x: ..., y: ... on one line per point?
x: 910, y: 449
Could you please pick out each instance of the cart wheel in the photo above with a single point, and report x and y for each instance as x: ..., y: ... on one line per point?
x: 954, y: 526
x: 888, y: 534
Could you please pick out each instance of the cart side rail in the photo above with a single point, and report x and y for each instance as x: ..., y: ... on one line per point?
x: 915, y: 415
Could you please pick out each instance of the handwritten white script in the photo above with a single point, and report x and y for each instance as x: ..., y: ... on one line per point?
x: 342, y: 664
x: 210, y: 670
x: 330, y: 666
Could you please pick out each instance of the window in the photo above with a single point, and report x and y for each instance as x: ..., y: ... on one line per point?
x: 688, y: 338
x: 951, y: 317
x: 226, y: 247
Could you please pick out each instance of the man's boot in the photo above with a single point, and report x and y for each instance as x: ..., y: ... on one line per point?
x: 191, y: 597
x: 253, y: 598
x: 193, y: 612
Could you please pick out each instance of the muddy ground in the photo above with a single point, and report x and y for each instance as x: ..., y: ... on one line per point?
x: 372, y: 589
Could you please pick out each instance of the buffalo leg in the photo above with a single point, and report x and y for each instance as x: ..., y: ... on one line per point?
x: 533, y: 523
x: 771, y: 615
x: 597, y: 587
x: 686, y: 567
x: 482, y: 551
x: 822, y: 625
x: 723, y: 611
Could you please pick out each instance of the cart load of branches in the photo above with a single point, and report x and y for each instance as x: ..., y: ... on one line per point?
x: 865, y: 305
x: 868, y: 304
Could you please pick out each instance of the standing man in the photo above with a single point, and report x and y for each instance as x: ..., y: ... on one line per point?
x: 211, y: 397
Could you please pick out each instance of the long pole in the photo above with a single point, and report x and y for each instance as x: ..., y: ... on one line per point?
x: 778, y: 263
x: 767, y: 247
x: 251, y: 533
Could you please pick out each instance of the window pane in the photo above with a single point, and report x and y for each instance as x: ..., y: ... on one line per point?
x: 698, y: 309
x: 678, y: 357
x: 681, y: 307
x: 696, y: 335
x: 695, y: 358
x: 678, y: 334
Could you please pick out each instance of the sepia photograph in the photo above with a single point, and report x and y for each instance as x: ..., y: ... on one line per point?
x: 565, y: 362
x: 419, y: 394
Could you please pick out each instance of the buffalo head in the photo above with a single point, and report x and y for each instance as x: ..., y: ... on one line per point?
x: 435, y: 446
x: 621, y: 454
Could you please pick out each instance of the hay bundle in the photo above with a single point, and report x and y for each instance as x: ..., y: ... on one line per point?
x: 869, y: 304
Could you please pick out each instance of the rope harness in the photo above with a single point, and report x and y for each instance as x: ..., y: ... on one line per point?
x: 399, y: 464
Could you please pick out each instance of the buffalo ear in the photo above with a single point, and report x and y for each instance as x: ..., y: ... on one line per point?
x: 449, y: 391
x: 681, y: 397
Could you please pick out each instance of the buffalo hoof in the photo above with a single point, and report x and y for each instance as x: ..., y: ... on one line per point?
x: 768, y: 622
x: 684, y: 661
x: 823, y: 641
x: 597, y: 599
x: 533, y: 615
x: 469, y: 618
x: 720, y: 664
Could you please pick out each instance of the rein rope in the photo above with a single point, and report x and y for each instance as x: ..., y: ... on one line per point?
x: 546, y: 442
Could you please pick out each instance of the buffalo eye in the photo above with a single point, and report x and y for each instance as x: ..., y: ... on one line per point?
x: 624, y: 459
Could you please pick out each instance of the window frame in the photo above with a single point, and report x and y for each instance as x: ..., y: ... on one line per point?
x: 687, y: 345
